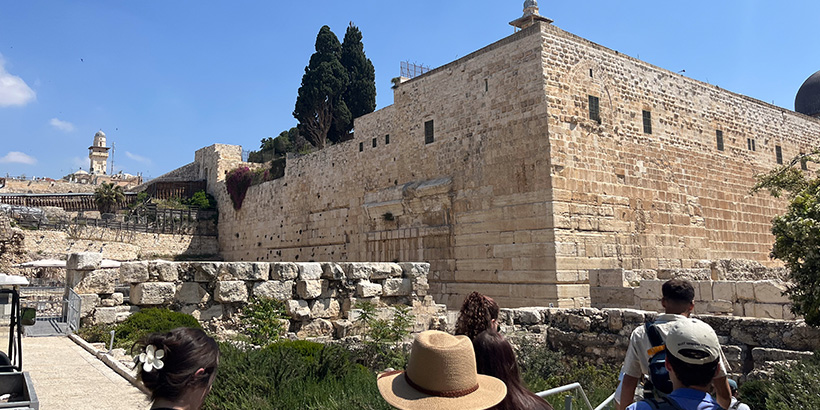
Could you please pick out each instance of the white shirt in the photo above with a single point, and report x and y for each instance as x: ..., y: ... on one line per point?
x: 738, y: 406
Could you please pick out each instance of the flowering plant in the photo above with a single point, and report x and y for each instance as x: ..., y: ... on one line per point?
x: 151, y: 358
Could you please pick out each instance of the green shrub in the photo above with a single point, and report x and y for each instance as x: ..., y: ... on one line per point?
x: 794, y: 386
x: 382, y: 343
x: 151, y: 320
x: 262, y: 321
x: 96, y: 333
x: 292, y: 375
x: 202, y: 200
x: 754, y: 393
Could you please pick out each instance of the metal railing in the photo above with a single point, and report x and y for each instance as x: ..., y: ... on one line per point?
x: 580, y: 391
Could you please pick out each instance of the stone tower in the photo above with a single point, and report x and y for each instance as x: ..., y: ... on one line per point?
x: 98, y: 154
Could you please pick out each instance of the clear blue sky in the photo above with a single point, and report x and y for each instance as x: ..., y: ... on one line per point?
x: 164, y: 78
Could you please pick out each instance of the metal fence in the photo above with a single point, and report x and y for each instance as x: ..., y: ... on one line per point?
x: 191, y: 221
x: 58, y: 310
x: 607, y: 404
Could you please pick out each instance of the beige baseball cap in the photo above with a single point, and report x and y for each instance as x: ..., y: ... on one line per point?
x: 693, y: 341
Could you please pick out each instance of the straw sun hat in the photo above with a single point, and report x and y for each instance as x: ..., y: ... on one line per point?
x: 441, y: 374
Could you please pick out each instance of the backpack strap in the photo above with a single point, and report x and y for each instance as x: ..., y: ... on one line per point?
x: 663, y: 404
x: 654, y: 337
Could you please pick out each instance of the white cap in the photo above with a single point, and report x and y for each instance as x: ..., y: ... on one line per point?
x: 693, y: 341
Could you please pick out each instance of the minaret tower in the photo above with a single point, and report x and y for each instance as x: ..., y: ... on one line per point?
x: 98, y: 154
x: 530, y: 16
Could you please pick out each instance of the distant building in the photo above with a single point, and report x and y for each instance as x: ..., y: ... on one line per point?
x: 98, y: 154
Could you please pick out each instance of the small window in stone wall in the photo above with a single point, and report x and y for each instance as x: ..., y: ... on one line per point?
x: 428, y: 132
x: 647, y: 122
x: 803, y: 163
x: 374, y: 143
x: 386, y: 139
x: 750, y: 144
x: 590, y: 73
x: 361, y: 146
x: 486, y: 85
x: 594, y: 109
x: 778, y: 153
x: 719, y: 136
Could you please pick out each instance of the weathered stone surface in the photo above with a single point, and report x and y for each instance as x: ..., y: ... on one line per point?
x: 152, y: 293
x: 767, y: 291
x: 97, y: 281
x: 309, y: 270
x: 745, y: 290
x: 579, y: 323
x: 88, y: 302
x: 108, y: 303
x: 527, y: 316
x: 206, y: 271
x: 84, y: 261
x: 762, y: 354
x: 283, y: 271
x: 649, y: 289
x: 342, y: 328
x: 163, y: 271
x: 724, y: 290
x: 367, y: 289
x: 192, y: 293
x: 316, y: 328
x: 397, y: 287
x: 104, y: 316
x: 273, y: 289
x: 231, y: 291
x: 252, y: 271
x: 615, y: 319
x: 118, y: 298
x: 134, y: 272
x: 309, y: 289
x: 415, y: 269
x: 325, y: 308
x: 332, y: 271
x: 123, y: 312
x: 372, y: 270
x: 213, y: 312
x: 720, y: 306
x: 298, y: 309
x: 420, y: 286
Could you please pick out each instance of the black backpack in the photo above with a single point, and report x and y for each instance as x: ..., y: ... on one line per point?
x: 658, y: 375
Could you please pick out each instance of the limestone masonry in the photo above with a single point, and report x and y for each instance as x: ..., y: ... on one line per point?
x: 525, y: 169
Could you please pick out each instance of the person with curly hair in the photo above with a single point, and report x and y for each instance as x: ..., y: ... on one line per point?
x: 177, y: 367
x: 478, y: 313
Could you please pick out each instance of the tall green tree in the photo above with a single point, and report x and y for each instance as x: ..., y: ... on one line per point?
x: 360, y: 95
x: 108, y: 197
x: 797, y: 232
x: 320, y: 96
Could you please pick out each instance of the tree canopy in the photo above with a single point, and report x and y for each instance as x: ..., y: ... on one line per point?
x: 339, y: 84
x: 797, y: 232
x: 272, y: 148
x: 108, y: 197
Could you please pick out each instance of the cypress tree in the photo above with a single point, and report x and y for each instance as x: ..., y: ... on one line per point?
x: 320, y: 97
x: 360, y: 95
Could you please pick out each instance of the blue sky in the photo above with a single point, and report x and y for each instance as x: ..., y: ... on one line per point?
x: 164, y: 78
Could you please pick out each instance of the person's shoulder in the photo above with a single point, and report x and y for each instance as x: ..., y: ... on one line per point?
x: 640, y: 405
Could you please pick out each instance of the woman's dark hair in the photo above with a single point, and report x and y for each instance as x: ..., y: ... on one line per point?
x: 692, y: 374
x: 476, y: 314
x: 495, y: 357
x: 186, y: 351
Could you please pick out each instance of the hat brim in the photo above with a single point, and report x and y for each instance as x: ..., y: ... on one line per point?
x: 395, y: 391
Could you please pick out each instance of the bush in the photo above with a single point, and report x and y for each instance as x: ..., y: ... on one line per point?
x: 754, y: 394
x: 202, y: 200
x: 237, y: 182
x: 383, y: 345
x: 96, y: 333
x: 262, y: 321
x: 151, y: 320
x: 292, y: 375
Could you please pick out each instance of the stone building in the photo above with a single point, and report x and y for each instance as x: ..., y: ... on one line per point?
x: 525, y: 168
x: 98, y: 154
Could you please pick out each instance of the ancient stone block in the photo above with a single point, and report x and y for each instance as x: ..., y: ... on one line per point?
x: 763, y: 354
x: 325, y: 308
x: 769, y: 310
x: 213, y: 312
x: 579, y: 323
x: 724, y: 290
x: 192, y: 293
x: 720, y: 307
x: 283, y: 271
x: 420, y: 286
x: 767, y: 291
x: 108, y: 302
x: 342, y: 328
x: 606, y: 277
x: 367, y: 289
x: 261, y: 271
x: 316, y: 328
x: 88, y: 302
x: 244, y: 271
x: 745, y: 290
x: 97, y: 281
x: 397, y: 287
x: 332, y: 271
x: 123, y: 312
x: 703, y: 290
x: 152, y: 293
x: 163, y: 271
x: 231, y: 291
x: 310, y: 270
x: 118, y: 298
x: 298, y: 309
x: 206, y: 271
x: 649, y: 289
x: 527, y: 316
x: 309, y: 289
x: 84, y: 261
x: 614, y: 318
x: 104, y: 316
x: 273, y: 289
x: 134, y: 272
x: 414, y: 269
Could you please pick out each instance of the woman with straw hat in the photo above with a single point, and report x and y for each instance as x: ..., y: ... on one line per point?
x: 441, y: 374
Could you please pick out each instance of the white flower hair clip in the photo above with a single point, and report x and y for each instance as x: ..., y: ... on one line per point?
x: 151, y: 358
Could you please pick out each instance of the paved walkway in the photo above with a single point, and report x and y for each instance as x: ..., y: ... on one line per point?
x: 66, y: 377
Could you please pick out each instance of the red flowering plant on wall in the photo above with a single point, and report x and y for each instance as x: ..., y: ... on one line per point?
x: 238, y: 181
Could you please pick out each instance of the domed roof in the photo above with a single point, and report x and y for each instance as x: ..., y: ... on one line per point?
x: 807, y: 100
x: 81, y: 172
x: 100, y: 134
x: 530, y: 3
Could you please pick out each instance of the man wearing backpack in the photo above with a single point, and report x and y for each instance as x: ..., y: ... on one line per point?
x: 678, y: 303
x: 693, y: 359
x: 736, y: 404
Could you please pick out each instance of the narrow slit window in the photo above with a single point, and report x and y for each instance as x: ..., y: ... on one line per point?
x: 778, y: 153
x: 753, y: 145
x: 647, y: 122
x: 374, y: 143
x: 428, y: 132
x: 719, y: 137
x: 590, y: 73
x: 749, y: 144
x: 386, y: 139
x: 361, y: 146
x: 486, y: 85
x: 594, y: 109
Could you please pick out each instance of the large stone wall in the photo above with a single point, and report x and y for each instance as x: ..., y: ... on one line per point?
x: 750, y: 345
x: 520, y: 195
